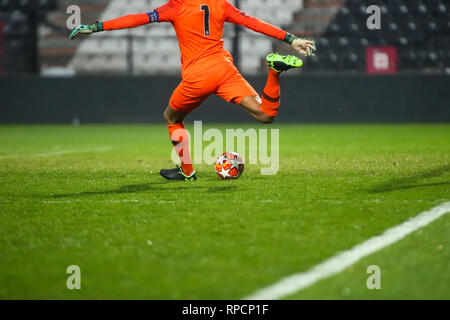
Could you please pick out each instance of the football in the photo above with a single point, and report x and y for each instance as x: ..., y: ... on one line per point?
x: 229, y: 165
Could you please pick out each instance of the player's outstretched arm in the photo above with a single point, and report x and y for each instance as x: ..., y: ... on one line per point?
x: 302, y: 46
x: 128, y: 21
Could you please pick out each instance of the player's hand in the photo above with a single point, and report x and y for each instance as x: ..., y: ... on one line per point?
x: 86, y: 29
x: 304, y: 47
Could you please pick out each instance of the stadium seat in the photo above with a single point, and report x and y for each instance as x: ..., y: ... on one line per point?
x: 419, y: 29
x: 406, y: 24
x: 161, y: 39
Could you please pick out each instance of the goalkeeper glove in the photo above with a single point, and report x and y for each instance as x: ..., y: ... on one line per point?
x: 303, y: 46
x: 86, y: 29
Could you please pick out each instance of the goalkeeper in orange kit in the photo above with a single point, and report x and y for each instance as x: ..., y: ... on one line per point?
x: 207, y: 68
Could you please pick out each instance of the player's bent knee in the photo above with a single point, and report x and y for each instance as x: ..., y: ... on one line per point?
x: 173, y: 117
x: 264, y: 118
x: 167, y: 118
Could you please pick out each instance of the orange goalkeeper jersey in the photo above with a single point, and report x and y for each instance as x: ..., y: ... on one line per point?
x: 198, y: 25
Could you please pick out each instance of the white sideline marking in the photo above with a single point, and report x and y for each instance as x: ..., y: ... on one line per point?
x: 296, y: 282
x: 56, y: 153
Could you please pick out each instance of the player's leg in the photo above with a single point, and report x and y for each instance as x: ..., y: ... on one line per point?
x: 237, y: 89
x: 179, y: 138
x: 270, y: 101
x: 252, y: 105
x: 181, y: 104
x: 265, y: 109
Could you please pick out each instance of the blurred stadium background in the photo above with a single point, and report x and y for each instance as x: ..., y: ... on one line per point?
x: 395, y: 74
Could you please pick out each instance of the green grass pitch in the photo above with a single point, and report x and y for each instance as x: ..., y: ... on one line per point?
x: 92, y: 196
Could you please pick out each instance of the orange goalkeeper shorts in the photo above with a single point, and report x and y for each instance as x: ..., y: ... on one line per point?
x: 211, y: 75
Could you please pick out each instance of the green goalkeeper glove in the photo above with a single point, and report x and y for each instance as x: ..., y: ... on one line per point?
x: 86, y: 29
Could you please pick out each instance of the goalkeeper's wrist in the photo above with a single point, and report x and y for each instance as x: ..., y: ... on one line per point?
x: 289, y: 38
x: 96, y: 27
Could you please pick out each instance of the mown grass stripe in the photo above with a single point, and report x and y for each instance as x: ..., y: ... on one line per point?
x: 55, y: 153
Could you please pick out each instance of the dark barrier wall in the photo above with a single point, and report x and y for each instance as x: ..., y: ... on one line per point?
x: 358, y: 98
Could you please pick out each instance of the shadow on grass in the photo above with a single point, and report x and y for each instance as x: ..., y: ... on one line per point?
x: 410, y: 182
x: 155, y: 186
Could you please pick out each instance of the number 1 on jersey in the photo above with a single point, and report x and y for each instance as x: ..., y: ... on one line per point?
x: 205, y: 8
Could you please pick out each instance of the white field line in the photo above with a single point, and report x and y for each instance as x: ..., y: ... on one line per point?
x: 299, y: 281
x: 56, y: 153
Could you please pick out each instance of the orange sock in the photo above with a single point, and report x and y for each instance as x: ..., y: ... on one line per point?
x: 271, y: 94
x: 179, y: 137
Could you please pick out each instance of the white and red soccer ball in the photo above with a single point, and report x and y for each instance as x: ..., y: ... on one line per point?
x: 229, y: 165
